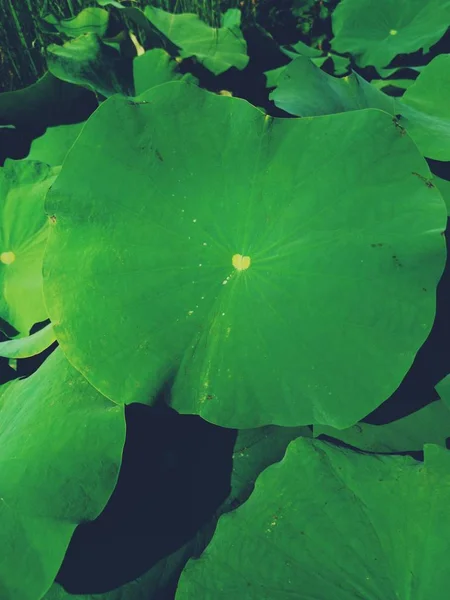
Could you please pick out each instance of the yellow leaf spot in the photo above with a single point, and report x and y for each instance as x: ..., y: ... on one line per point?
x: 241, y: 262
x: 393, y: 32
x: 7, y: 258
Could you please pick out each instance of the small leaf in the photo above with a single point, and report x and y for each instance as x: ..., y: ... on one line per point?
x: 28, y: 346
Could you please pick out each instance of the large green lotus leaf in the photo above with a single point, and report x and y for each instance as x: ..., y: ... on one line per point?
x: 89, y: 20
x: 428, y: 97
x: 305, y: 90
x: 444, y: 187
x: 375, y: 32
x: 154, y: 68
x: 88, y: 61
x: 23, y: 235
x: 244, y: 256
x: 254, y: 450
x: 60, y: 450
x: 53, y: 145
x: 31, y: 345
x: 216, y: 49
x: 430, y: 424
x: 330, y: 523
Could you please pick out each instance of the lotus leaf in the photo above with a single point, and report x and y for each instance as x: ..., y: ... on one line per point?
x: 430, y: 424
x: 328, y: 522
x: 303, y: 89
x: 443, y: 389
x: 376, y: 32
x: 28, y: 346
x: 426, y: 108
x: 254, y: 450
x: 88, y: 61
x: 89, y: 20
x: 208, y: 255
x: 155, y: 67
x: 23, y: 235
x: 60, y: 452
x: 53, y: 145
x: 216, y: 49
x: 444, y: 187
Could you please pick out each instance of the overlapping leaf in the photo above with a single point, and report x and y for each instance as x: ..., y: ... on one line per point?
x: 217, y: 49
x: 31, y: 345
x: 430, y: 424
x: 23, y: 235
x: 305, y: 90
x: 53, y: 145
x: 155, y: 67
x: 331, y: 523
x: 60, y: 452
x: 88, y: 61
x: 89, y: 20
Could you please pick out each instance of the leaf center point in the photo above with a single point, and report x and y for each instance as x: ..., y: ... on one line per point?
x: 241, y: 262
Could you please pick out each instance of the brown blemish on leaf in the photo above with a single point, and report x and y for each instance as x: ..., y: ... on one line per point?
x: 426, y: 181
x: 396, y: 121
x: 396, y: 261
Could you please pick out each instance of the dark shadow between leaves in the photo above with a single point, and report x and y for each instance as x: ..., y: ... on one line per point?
x: 175, y: 473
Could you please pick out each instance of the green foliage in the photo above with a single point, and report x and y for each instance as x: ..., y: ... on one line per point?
x: 174, y: 235
x: 376, y: 32
x: 23, y: 236
x: 186, y: 257
x: 423, y: 112
x: 373, y: 524
x: 48, y: 438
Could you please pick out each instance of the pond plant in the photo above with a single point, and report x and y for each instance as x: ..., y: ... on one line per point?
x: 219, y: 266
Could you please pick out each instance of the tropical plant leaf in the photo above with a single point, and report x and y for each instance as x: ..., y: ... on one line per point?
x: 224, y: 283
x: 23, y: 235
x: 376, y: 32
x: 60, y: 453
x: 430, y: 424
x: 216, y: 49
x: 327, y: 522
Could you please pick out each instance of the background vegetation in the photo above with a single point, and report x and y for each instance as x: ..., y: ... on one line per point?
x: 23, y: 43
